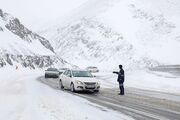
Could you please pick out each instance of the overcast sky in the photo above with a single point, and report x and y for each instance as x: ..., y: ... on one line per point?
x: 36, y: 13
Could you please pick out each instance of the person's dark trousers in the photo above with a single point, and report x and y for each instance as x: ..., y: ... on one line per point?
x: 121, y: 87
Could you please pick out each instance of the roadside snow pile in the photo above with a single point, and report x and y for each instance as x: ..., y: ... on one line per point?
x: 141, y: 79
x: 157, y: 81
x: 23, y: 97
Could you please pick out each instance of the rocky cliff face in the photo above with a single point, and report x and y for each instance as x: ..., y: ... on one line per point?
x: 30, y: 61
x: 14, y: 25
x: 21, y: 46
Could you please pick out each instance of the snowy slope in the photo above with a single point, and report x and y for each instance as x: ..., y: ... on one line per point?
x: 87, y: 41
x: 15, y: 35
x: 107, y: 33
x: 19, y: 45
x: 34, y: 15
x: 151, y: 26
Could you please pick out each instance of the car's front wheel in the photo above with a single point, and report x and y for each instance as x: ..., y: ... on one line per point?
x: 61, y: 85
x: 72, y: 88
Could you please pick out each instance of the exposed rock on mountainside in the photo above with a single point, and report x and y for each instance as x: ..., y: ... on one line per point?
x: 21, y: 46
x: 30, y: 61
x: 14, y: 25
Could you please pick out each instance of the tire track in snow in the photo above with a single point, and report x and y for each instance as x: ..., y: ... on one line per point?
x: 135, y: 103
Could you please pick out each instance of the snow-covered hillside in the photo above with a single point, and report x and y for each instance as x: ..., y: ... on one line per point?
x: 19, y: 45
x: 87, y: 41
x: 106, y: 33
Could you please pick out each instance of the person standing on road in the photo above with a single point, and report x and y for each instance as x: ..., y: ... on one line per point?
x: 120, y: 79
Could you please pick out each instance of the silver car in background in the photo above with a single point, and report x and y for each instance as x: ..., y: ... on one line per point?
x: 52, y: 73
x: 79, y: 80
x: 92, y: 69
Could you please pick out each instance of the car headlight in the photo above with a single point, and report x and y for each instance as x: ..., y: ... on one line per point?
x: 79, y: 82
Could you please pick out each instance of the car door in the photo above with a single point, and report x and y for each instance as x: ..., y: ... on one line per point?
x: 65, y: 78
x: 68, y: 78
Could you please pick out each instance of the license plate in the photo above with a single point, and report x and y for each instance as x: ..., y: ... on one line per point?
x: 90, y: 86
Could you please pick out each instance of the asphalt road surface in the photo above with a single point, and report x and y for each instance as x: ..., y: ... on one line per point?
x: 139, y: 104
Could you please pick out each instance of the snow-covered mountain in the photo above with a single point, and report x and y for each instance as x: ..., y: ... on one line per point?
x: 19, y: 45
x: 106, y: 33
x: 87, y: 41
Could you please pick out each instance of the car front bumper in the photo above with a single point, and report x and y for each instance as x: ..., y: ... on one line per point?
x: 87, y: 88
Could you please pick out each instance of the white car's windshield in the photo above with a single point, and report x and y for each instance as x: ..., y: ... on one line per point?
x: 81, y: 74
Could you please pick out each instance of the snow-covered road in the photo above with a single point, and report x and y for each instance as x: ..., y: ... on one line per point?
x: 26, y: 95
x: 137, y: 103
x: 138, y: 106
x: 22, y: 97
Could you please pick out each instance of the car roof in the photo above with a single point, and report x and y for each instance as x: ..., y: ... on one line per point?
x: 52, y: 69
x: 77, y: 69
x: 63, y: 68
x: 92, y: 67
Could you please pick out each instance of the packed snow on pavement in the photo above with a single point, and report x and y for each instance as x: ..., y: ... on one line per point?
x: 23, y: 97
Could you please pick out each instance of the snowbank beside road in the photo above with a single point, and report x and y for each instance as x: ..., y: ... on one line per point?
x: 141, y: 79
x: 157, y: 81
x: 23, y: 97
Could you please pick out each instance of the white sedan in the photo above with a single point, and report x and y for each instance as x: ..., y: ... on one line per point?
x: 79, y: 80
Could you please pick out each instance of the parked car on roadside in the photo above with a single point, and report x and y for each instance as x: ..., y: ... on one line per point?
x: 52, y: 73
x: 92, y: 69
x: 79, y: 80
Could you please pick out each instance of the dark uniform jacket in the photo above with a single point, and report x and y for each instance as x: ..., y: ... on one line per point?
x: 120, y: 76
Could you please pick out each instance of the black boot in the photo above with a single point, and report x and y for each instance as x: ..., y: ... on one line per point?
x: 122, y: 90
